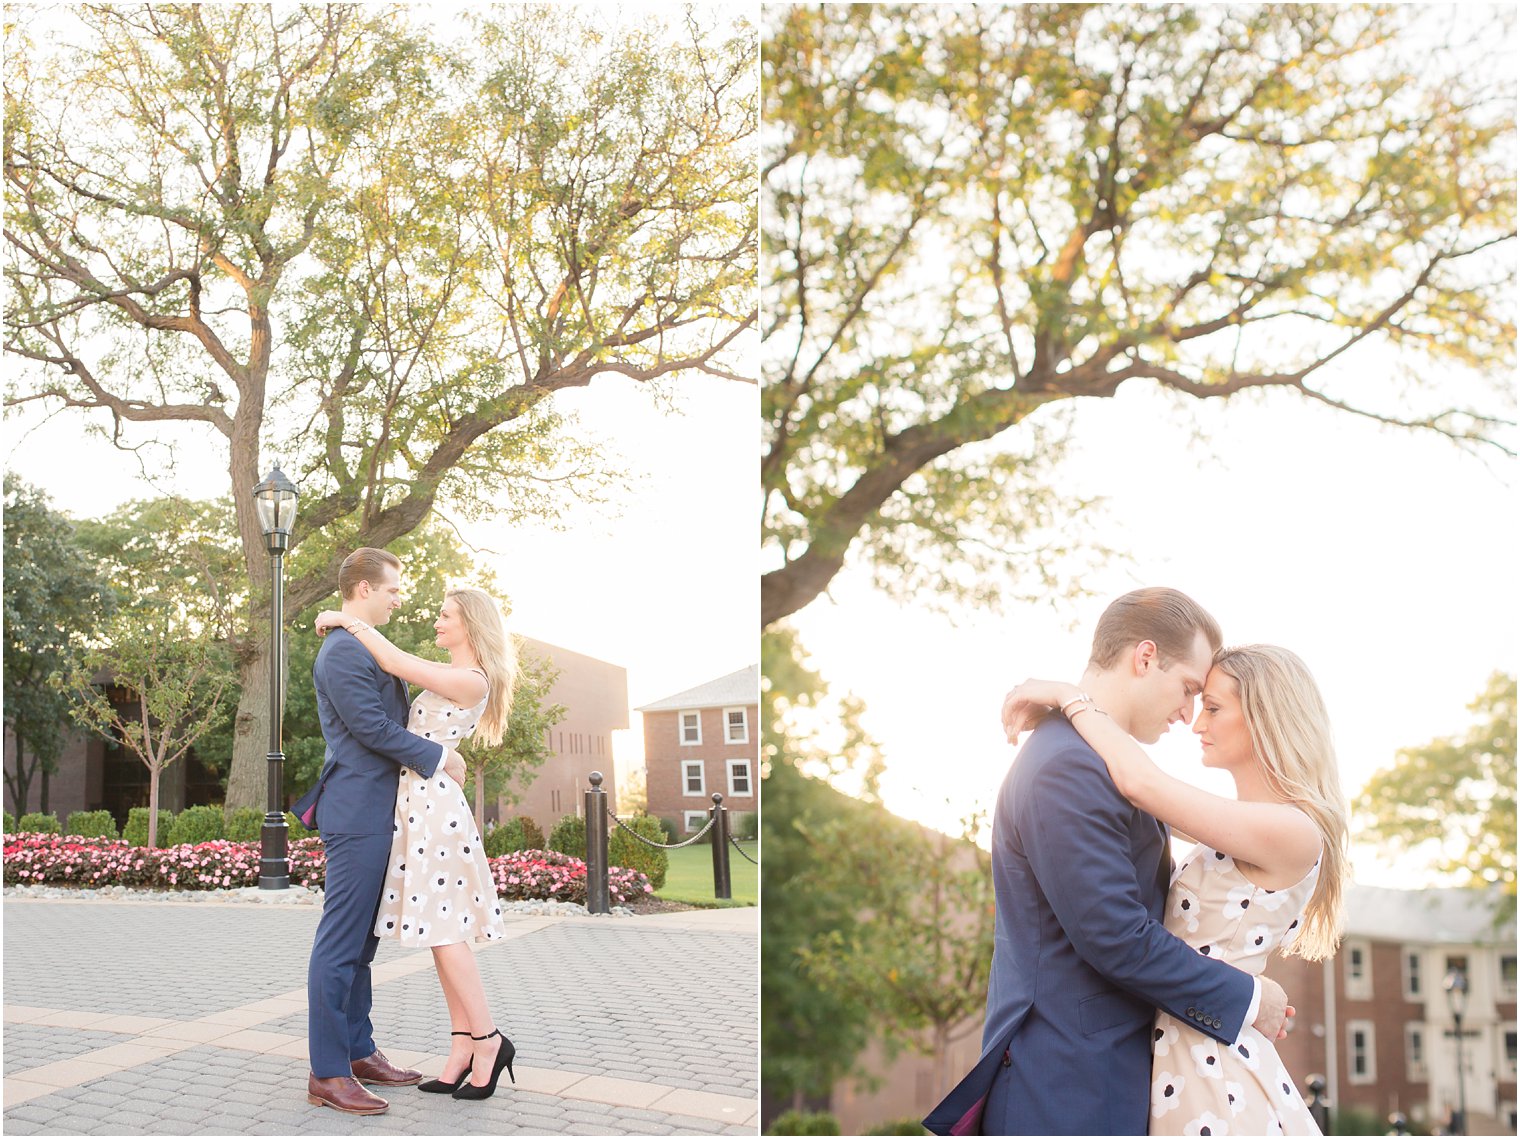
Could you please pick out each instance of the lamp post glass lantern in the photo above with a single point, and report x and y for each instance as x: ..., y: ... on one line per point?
x: 1455, y: 985
x: 275, y: 501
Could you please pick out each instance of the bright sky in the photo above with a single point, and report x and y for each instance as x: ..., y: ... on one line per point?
x: 1383, y: 558
x: 664, y: 588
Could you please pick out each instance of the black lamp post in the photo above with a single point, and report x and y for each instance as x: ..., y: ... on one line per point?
x: 275, y: 501
x: 1455, y: 985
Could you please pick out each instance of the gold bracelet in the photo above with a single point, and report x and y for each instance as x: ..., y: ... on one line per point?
x: 1078, y: 698
x: 1088, y: 707
x: 357, y: 627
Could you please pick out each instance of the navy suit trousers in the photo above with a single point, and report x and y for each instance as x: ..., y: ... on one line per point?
x: 338, y: 991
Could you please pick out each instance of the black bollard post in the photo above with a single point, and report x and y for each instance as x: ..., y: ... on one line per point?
x: 1399, y: 1122
x: 722, y: 882
x: 596, y: 847
x: 1319, y: 1106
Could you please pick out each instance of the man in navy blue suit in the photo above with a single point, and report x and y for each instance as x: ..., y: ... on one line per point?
x: 1082, y: 960
x: 363, y: 711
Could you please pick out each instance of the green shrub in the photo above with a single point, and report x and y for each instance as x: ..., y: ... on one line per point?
x: 197, y: 824
x: 91, y: 824
x: 569, y: 836
x: 10, y: 823
x: 798, y: 1123
x: 246, y: 824
x: 504, y: 838
x: 34, y: 822
x: 533, y: 834
x: 136, y: 830
x: 296, y: 829
x: 899, y: 1127
x: 745, y: 825
x: 672, y: 825
x: 625, y: 850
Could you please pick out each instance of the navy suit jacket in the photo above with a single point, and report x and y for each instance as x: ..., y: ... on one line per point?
x: 1081, y: 960
x: 363, y: 711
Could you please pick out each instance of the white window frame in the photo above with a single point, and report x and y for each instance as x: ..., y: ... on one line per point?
x: 1506, y: 988
x: 728, y: 736
x: 749, y: 778
x: 681, y: 727
x: 1414, y: 973
x: 1358, y: 985
x: 686, y: 766
x: 1365, y: 1027
x: 700, y: 818
x: 1416, y: 1068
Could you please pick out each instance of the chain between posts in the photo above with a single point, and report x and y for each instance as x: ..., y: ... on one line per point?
x: 740, y: 849
x: 662, y: 845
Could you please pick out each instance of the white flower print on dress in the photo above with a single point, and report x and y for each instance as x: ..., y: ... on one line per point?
x: 1220, y: 862
x: 1207, y: 1124
x: 1164, y: 1036
x: 1165, y: 1089
x: 1256, y: 938
x: 1185, y: 906
x: 1238, y: 901
x: 1235, y: 1096
x: 1206, y: 1059
x: 1248, y: 1051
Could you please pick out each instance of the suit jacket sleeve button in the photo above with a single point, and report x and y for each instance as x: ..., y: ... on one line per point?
x: 1192, y: 1012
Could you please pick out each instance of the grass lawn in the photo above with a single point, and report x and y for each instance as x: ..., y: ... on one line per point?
x: 690, y: 877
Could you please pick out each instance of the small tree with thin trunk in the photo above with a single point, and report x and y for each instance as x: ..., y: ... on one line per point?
x: 177, y: 679
x: 523, y: 747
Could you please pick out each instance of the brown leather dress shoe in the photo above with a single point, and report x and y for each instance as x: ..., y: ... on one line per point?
x: 376, y: 1069
x: 344, y: 1093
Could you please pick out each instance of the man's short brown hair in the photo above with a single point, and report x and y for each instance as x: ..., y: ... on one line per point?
x: 1171, y: 619
x: 364, y: 564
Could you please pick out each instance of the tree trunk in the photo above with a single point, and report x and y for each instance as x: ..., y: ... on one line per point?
x: 248, y: 779
x: 941, y: 1060
x: 20, y: 783
x: 153, y: 773
x: 42, y: 804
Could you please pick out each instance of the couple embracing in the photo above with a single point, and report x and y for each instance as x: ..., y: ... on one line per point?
x: 1127, y: 997
x: 404, y: 859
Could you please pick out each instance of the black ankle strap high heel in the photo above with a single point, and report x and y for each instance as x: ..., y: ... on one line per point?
x: 504, y: 1056
x: 448, y: 1085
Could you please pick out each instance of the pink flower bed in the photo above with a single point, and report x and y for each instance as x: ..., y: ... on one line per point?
x: 68, y: 860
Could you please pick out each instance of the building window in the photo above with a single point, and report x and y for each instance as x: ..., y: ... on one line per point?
x: 1414, y: 1053
x: 1508, y: 1071
x: 736, y: 725
x: 691, y: 728
x: 1358, y: 970
x: 1362, y: 1056
x: 1507, y: 975
x: 693, y: 777
x: 695, y: 821
x: 738, y: 778
x: 1412, y: 975
x: 1507, y: 1113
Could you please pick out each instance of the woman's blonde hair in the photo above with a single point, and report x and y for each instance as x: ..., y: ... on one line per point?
x: 496, y: 650
x: 1290, y: 735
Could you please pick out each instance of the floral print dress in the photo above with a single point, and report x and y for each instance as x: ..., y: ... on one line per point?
x: 1200, y: 1086
x: 438, y: 886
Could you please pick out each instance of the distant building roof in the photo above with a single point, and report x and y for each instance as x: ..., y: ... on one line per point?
x: 742, y: 687
x: 1440, y: 916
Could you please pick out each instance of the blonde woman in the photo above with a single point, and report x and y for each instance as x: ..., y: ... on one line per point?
x: 1266, y: 873
x: 438, y: 889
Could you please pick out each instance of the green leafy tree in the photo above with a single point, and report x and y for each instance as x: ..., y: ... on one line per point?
x: 505, y: 770
x: 977, y: 215
x: 382, y: 239
x: 1455, y: 797
x: 813, y: 1033
x: 54, y: 602
x: 921, y: 954
x: 175, y: 678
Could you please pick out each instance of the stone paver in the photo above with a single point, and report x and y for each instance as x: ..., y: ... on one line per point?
x: 623, y: 1025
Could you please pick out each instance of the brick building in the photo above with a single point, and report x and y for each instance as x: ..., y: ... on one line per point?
x: 1375, y: 1020
x: 595, y: 696
x: 700, y: 741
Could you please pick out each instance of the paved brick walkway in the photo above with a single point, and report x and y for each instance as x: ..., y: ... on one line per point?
x: 126, y: 1018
